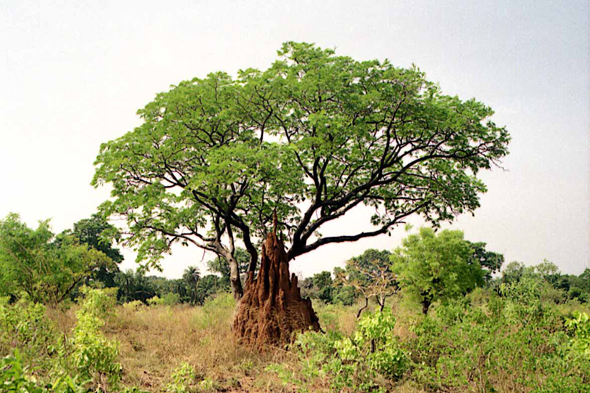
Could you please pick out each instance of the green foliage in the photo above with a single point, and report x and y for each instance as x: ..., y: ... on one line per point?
x: 220, y: 264
x: 47, y: 270
x: 181, y: 379
x: 13, y: 376
x: 191, y: 288
x: 311, y: 137
x: 45, y: 361
x: 436, y: 267
x: 98, y: 234
x: 216, y: 309
x: 490, y: 261
x: 370, y: 275
x: 191, y: 277
x: 24, y: 325
x: 504, y: 344
x: 134, y: 286
x: 170, y: 299
x: 579, y: 326
x: 361, y: 363
x: 323, y: 282
x: 136, y: 305
x: 343, y: 295
x: 93, y: 356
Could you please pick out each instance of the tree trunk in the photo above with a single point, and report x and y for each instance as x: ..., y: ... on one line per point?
x: 425, y: 306
x: 234, y: 278
x: 360, y: 311
x: 272, y: 311
x: 381, y: 300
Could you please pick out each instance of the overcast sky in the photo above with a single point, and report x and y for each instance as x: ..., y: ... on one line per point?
x: 74, y: 73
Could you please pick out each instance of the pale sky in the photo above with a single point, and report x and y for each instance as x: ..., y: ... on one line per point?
x: 74, y: 73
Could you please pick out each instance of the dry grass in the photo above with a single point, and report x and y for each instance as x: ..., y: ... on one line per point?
x: 156, y: 340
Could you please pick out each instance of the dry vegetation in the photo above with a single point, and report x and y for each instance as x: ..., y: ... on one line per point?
x: 470, y: 345
x: 156, y: 340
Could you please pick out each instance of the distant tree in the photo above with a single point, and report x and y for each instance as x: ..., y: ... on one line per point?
x: 323, y: 282
x: 370, y: 274
x: 31, y: 260
x: 134, y: 285
x: 209, y: 285
x: 343, y: 295
x: 90, y: 231
x: 307, y: 288
x: 549, y: 271
x: 490, y: 261
x: 435, y: 267
x: 513, y: 272
x: 191, y: 277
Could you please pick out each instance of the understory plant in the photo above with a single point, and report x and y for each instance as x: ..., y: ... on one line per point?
x: 369, y: 360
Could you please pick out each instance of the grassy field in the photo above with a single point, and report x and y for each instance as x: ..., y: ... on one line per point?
x: 482, y: 343
x: 156, y: 340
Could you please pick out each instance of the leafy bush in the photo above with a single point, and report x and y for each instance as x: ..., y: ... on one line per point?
x: 181, y: 379
x: 216, y: 310
x: 369, y: 360
x: 15, y: 377
x: 504, y: 345
x: 24, y: 325
x: 137, y: 305
x: 94, y: 356
x: 579, y: 326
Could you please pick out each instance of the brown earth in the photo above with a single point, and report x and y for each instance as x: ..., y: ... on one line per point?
x: 272, y: 311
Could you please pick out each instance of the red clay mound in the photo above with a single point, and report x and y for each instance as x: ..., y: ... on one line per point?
x: 272, y: 311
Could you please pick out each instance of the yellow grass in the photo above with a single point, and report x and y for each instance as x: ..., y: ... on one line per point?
x: 155, y: 340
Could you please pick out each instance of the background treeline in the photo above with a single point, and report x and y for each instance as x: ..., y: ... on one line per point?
x: 51, y: 268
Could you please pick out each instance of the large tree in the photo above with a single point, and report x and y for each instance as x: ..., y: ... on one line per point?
x: 312, y: 137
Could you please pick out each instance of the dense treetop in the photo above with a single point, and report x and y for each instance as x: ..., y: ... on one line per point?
x: 313, y: 136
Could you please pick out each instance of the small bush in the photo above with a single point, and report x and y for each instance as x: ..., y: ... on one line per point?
x: 137, y: 305
x: 182, y: 379
x: 369, y: 360
x: 24, y: 325
x: 579, y: 327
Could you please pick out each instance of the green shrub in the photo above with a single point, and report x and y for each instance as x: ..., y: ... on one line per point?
x: 171, y: 299
x: 23, y: 325
x: 182, y: 379
x: 579, y: 327
x: 15, y: 377
x: 370, y: 360
x: 137, y: 305
x: 217, y: 309
x: 88, y: 353
x: 507, y: 346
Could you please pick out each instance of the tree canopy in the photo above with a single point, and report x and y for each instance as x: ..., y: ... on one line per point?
x: 371, y: 275
x: 436, y: 267
x: 312, y: 137
x: 46, y: 268
x: 92, y: 231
